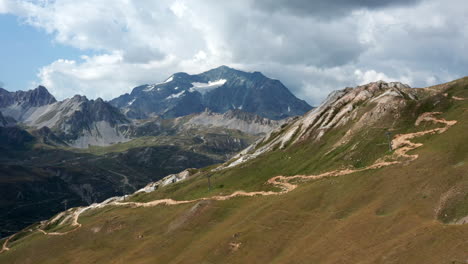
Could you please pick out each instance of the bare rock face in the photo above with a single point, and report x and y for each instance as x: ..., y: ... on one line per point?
x: 20, y: 104
x: 32, y: 98
x: 6, y: 121
x: 76, y: 121
x: 3, y: 121
x: 80, y: 122
x: 220, y: 90
x: 340, y: 108
x: 234, y: 119
x: 169, y: 179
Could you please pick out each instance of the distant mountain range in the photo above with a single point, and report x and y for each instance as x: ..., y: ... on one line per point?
x: 218, y: 90
x: 374, y: 174
x: 79, y: 151
x: 80, y: 122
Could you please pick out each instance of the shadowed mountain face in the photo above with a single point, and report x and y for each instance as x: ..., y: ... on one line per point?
x: 40, y: 174
x: 218, y: 90
x: 25, y: 99
x: 6, y: 120
x: 37, y: 183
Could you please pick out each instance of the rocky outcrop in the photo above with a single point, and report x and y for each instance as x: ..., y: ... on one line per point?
x: 339, y: 109
x: 169, y: 179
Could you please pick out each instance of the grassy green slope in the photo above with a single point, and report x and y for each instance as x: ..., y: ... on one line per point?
x: 397, y: 214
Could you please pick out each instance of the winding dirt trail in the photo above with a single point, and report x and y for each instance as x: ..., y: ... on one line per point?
x: 5, y: 244
x: 458, y: 98
x: 401, y: 144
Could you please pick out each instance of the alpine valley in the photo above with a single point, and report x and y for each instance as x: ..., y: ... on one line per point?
x: 59, y: 154
x: 375, y: 174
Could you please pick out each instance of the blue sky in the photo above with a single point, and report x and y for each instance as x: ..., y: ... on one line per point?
x: 24, y: 49
x: 105, y: 48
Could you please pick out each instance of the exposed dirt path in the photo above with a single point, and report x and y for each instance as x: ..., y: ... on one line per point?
x: 458, y: 98
x: 5, y: 244
x: 125, y: 180
x: 401, y: 144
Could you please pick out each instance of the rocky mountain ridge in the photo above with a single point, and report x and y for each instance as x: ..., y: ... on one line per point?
x: 340, y: 108
x: 219, y: 90
x: 222, y: 97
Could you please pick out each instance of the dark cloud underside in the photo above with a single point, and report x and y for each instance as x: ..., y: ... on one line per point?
x: 328, y: 8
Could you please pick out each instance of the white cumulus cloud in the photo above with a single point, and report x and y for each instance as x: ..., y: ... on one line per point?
x: 313, y: 52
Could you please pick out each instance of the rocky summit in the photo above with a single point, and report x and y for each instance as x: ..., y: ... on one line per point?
x: 218, y: 90
x: 20, y: 104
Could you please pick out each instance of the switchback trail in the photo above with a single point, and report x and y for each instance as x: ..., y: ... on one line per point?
x: 401, y: 144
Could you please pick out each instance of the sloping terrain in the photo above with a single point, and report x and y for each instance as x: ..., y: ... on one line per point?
x: 21, y: 104
x: 76, y: 121
x: 40, y: 175
x: 37, y: 182
x: 406, y: 205
x: 81, y: 122
x: 6, y: 121
x: 78, y: 151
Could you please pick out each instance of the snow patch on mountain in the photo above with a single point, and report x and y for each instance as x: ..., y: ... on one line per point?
x: 149, y: 88
x: 131, y: 102
x: 206, y: 87
x: 177, y: 95
x: 153, y: 86
x: 170, y: 79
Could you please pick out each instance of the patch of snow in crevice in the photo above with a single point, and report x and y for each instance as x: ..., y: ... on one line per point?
x: 206, y: 87
x: 177, y: 95
x: 152, y: 86
x: 131, y: 102
x: 170, y: 79
x: 149, y: 88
